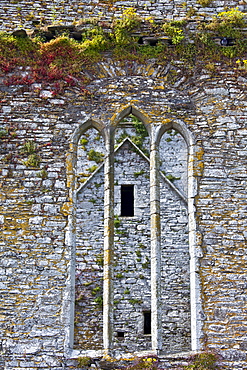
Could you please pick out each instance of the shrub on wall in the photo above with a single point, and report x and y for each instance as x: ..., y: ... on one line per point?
x: 60, y: 62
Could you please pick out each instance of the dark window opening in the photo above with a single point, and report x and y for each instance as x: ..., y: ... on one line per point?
x: 120, y: 334
x: 147, y: 322
x: 127, y: 200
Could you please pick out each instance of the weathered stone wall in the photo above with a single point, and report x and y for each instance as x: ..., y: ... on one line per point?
x: 24, y: 13
x: 36, y: 252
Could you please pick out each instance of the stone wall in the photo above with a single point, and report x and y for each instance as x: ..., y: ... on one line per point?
x: 28, y: 14
x: 37, y: 203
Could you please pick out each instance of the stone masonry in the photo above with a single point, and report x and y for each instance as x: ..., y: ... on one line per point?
x: 77, y: 278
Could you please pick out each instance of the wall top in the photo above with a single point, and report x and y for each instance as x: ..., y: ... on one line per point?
x: 27, y: 14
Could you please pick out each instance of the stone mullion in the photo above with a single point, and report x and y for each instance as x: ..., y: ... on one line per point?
x: 108, y: 246
x: 156, y: 318
x: 195, y: 253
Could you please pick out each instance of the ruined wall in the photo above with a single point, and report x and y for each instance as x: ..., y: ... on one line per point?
x: 28, y: 14
x: 38, y: 249
x: 35, y: 253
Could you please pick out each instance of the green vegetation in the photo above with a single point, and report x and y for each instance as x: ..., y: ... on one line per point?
x: 33, y: 160
x: 175, y: 31
x: 96, y: 290
x: 200, y: 361
x: 203, y: 361
x: 43, y: 174
x: 150, y: 362
x: 93, y: 168
x: 83, y: 142
x: 135, y: 301
x: 139, y: 173
x: 138, y: 138
x: 99, y: 301
x: 3, y: 133
x: 116, y: 222
x: 172, y: 178
x: 28, y: 148
x: 60, y: 62
x: 122, y: 28
x: 95, y: 156
x: 100, y: 259
x: 84, y: 361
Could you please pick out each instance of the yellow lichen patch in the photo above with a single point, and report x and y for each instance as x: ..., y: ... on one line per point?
x: 166, y: 121
x: 66, y: 209
x: 198, y: 164
x: 160, y: 87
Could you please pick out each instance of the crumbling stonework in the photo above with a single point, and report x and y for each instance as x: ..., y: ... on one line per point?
x: 28, y: 13
x: 65, y: 248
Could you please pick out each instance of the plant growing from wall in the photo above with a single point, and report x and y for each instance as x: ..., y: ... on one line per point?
x: 83, y: 143
x: 3, y: 133
x: 172, y: 178
x: 203, y: 361
x: 95, y: 156
x: 122, y: 28
x: 28, y: 147
x: 33, y: 160
x: 42, y: 174
x: 99, y: 301
x: 205, y: 3
x: 227, y: 24
x: 175, y: 31
x: 150, y: 362
x: 84, y: 361
x: 116, y: 221
x: 59, y: 63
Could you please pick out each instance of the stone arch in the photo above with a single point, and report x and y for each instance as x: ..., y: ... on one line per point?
x: 155, y: 132
x: 88, y: 326
x: 68, y: 308
x: 84, y: 125
x: 131, y: 275
x: 131, y: 109
x: 194, y: 251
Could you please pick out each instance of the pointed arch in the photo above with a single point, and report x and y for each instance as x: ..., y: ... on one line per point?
x: 131, y: 109
x: 69, y: 210
x: 132, y: 172
x: 155, y: 133
x: 179, y: 126
x: 87, y: 123
x: 194, y: 250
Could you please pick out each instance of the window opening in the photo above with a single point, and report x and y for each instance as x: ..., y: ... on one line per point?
x: 120, y: 334
x: 147, y: 322
x: 127, y: 200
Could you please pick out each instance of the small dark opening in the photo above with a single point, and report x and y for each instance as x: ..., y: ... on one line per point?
x: 127, y: 200
x: 147, y: 322
x: 120, y: 334
x: 227, y: 41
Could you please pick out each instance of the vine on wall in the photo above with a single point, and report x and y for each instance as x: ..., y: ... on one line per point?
x: 59, y: 61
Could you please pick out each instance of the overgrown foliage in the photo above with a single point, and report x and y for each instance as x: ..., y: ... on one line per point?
x: 203, y: 361
x: 61, y: 62
x: 147, y: 362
